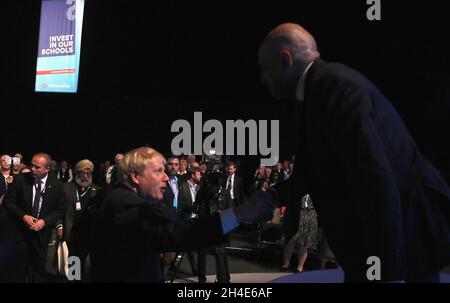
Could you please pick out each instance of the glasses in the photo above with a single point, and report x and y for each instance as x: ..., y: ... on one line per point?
x: 84, y: 174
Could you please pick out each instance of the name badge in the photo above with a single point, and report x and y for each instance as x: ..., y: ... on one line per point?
x: 78, y: 206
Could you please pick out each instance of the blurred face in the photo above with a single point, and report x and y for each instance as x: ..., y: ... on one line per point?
x: 203, y: 168
x: 64, y: 164
x: 83, y: 178
x: 275, y: 73
x: 231, y: 170
x: 274, y: 177
x: 173, y: 165
x: 5, y: 162
x: 117, y: 158
x: 278, y: 166
x: 291, y: 166
x: 267, y: 172
x: 286, y: 165
x: 191, y: 158
x: 261, y: 170
x: 183, y: 165
x: 152, y: 182
x: 197, y: 177
x: 195, y: 164
x: 39, y: 167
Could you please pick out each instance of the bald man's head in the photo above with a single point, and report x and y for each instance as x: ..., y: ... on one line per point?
x: 284, y: 55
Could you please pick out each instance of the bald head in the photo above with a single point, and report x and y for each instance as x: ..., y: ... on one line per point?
x: 294, y: 38
x: 284, y: 55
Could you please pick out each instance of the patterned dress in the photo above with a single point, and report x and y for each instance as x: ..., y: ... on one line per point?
x: 306, y: 235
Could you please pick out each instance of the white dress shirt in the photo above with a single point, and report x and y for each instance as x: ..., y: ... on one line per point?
x: 230, y: 183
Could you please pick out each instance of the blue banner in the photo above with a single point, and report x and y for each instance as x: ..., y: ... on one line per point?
x: 58, y: 57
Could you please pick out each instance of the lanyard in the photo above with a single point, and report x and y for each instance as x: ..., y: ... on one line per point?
x: 83, y: 194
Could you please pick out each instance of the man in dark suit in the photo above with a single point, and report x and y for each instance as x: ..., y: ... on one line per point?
x: 132, y: 229
x: 234, y: 194
x: 192, y: 210
x: 375, y: 194
x: 171, y: 204
x: 82, y: 204
x: 36, y: 201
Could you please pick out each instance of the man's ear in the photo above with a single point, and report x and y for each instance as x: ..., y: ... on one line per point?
x: 134, y: 177
x: 286, y: 58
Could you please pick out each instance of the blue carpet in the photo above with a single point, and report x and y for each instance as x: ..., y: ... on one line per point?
x: 327, y: 276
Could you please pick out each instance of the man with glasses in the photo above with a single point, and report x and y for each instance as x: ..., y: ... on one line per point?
x: 83, y: 199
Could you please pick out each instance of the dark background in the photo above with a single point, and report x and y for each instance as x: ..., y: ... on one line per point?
x: 145, y: 66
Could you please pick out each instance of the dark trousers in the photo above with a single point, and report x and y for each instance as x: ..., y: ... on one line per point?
x: 37, y: 244
x: 198, y: 266
x: 222, y: 272
x: 78, y: 246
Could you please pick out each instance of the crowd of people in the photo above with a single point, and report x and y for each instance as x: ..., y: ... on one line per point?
x: 44, y: 202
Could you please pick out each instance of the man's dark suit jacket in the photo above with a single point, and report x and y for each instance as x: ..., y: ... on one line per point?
x: 198, y: 207
x: 88, y: 212
x: 3, y: 186
x: 186, y: 199
x: 375, y: 194
x: 132, y: 231
x: 238, y: 192
x: 19, y: 201
x: 167, y: 203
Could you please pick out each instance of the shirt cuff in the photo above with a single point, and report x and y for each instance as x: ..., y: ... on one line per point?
x: 228, y: 220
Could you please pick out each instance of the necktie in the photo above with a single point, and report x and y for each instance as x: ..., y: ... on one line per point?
x: 37, y: 198
x: 229, y: 183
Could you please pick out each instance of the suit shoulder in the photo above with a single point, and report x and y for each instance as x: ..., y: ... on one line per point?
x: 122, y: 197
x: 21, y: 179
x: 337, y: 73
x: 53, y: 180
x: 340, y: 88
x: 68, y: 186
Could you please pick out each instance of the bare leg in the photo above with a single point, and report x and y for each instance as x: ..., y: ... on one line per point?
x: 168, y: 258
x: 302, y: 255
x: 323, y: 263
